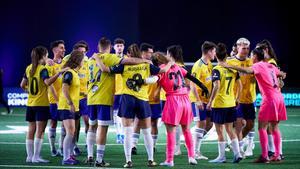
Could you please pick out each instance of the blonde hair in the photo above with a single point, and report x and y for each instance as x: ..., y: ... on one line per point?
x: 244, y: 41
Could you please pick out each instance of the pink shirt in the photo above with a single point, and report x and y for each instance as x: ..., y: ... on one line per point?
x: 173, y: 81
x: 266, y: 76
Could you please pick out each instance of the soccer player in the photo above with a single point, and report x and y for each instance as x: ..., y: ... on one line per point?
x: 35, y: 81
x: 271, y: 57
x: 119, y: 45
x: 68, y: 104
x: 202, y: 70
x: 177, y: 109
x: 58, y: 49
x: 222, y: 102
x: 272, y: 109
x: 82, y: 47
x: 100, y: 97
x: 146, y: 53
x: 244, y: 124
x: 134, y: 101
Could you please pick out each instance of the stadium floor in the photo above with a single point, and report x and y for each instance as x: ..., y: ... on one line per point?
x: 13, y: 153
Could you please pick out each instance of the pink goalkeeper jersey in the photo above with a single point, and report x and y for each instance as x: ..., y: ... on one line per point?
x: 266, y: 76
x: 173, y: 81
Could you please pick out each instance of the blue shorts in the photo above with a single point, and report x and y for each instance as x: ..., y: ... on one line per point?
x: 155, y: 111
x: 162, y: 104
x: 37, y: 113
x: 117, y: 103
x: 54, y: 112
x: 83, y: 110
x: 246, y: 111
x: 200, y: 115
x: 223, y: 115
x: 132, y: 107
x: 102, y: 113
x: 66, y: 115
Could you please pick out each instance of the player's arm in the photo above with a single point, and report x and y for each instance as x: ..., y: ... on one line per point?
x: 198, y: 83
x: 67, y: 79
x: 247, y: 70
x: 216, y: 86
x: 157, y: 93
x: 24, y: 82
x: 134, y: 61
x: 49, y: 80
x: 239, y: 90
x: 196, y: 94
x: 167, y: 67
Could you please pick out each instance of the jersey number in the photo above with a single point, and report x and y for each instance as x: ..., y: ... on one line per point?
x: 176, y: 76
x: 34, y: 86
x: 228, y: 84
x: 98, y: 75
x: 273, y: 79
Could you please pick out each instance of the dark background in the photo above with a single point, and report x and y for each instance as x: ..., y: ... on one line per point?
x: 26, y: 24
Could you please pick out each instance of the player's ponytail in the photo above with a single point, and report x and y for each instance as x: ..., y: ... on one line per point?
x: 37, y: 54
x: 159, y: 58
x: 134, y: 51
x: 74, y: 60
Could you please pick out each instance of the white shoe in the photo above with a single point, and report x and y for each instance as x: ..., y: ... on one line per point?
x: 28, y: 159
x: 177, y: 151
x: 39, y: 160
x: 192, y: 161
x: 218, y: 160
x: 249, y: 151
x: 242, y: 154
x: 167, y: 164
x: 199, y: 156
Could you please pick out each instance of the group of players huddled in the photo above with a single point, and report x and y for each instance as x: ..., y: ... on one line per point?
x: 134, y: 90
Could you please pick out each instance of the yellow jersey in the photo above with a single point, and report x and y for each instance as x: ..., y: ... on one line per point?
x: 135, y: 72
x: 118, y: 82
x: 101, y: 85
x: 248, y: 93
x: 202, y: 71
x: 58, y: 82
x: 72, y: 79
x: 152, y: 91
x: 225, y: 97
x: 83, y: 75
x: 37, y: 89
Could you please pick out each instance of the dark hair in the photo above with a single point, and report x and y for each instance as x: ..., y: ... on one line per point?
x: 207, y: 45
x: 259, y: 54
x: 104, y: 43
x: 145, y: 46
x: 134, y: 51
x: 81, y: 44
x: 159, y: 58
x: 221, y: 51
x: 266, y: 44
x: 37, y: 54
x: 119, y: 41
x: 176, y: 53
x: 54, y: 44
x: 74, y: 60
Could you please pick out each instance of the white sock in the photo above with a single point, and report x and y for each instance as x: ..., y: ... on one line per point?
x: 235, y: 147
x: 100, y: 152
x: 128, y: 131
x: 37, y: 148
x: 67, y: 146
x: 228, y: 139
x: 62, y: 137
x: 221, y: 147
x: 154, y: 138
x: 251, y: 135
x: 29, y: 148
x: 178, y: 134
x: 90, y: 142
x: 198, y: 136
x: 148, y: 141
x: 271, y: 146
x: 241, y: 144
x: 135, y: 139
x: 51, y: 137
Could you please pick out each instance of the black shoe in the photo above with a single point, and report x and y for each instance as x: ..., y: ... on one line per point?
x: 128, y: 164
x: 270, y: 154
x: 102, y: 164
x: 282, y: 156
x: 151, y: 163
x: 89, y: 161
x: 134, y: 151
